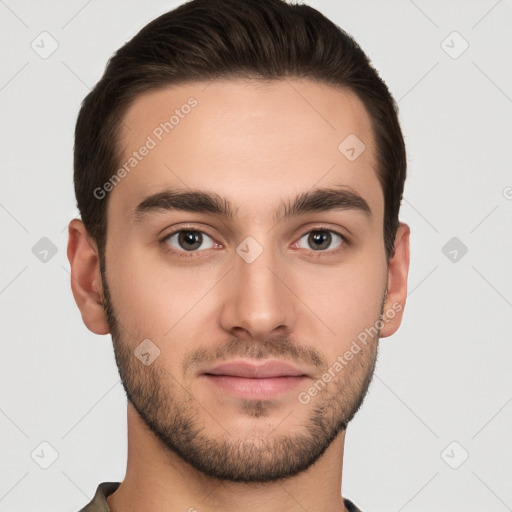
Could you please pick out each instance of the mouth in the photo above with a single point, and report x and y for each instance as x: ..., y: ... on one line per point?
x: 255, y: 381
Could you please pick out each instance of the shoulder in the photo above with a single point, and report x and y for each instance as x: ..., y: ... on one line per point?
x: 350, y: 506
x: 99, y: 502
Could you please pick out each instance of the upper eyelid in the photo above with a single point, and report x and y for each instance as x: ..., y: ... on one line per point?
x: 320, y: 228
x: 201, y: 230
x: 175, y: 232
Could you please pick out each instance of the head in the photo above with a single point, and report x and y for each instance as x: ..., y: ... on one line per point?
x: 239, y: 169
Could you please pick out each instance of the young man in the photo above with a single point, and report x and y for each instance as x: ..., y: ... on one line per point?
x: 239, y: 170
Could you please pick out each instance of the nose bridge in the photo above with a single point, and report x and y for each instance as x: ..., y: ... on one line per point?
x: 257, y: 302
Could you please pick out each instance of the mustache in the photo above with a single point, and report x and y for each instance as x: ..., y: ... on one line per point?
x: 282, y: 347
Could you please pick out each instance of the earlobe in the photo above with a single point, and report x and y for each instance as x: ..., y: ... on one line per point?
x: 86, y: 282
x: 398, y: 270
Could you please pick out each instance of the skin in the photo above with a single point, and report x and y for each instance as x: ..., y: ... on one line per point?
x: 257, y: 144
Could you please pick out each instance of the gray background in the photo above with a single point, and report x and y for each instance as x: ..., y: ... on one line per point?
x: 442, y: 390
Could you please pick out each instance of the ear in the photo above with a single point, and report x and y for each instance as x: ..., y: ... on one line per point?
x: 398, y: 270
x: 86, y: 282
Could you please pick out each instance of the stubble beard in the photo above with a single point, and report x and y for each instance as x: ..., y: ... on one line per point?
x: 173, y: 414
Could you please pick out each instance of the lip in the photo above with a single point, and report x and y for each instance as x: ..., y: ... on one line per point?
x: 249, y: 370
x: 255, y: 381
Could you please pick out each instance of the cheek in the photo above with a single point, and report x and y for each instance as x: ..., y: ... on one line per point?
x: 139, y: 297
x: 156, y: 300
x: 346, y: 298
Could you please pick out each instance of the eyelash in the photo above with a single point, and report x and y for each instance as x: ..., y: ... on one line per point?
x: 193, y: 254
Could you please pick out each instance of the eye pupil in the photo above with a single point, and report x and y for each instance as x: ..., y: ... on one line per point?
x: 320, y: 239
x: 194, y: 239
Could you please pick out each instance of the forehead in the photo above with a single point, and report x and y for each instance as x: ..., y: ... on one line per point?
x: 254, y: 142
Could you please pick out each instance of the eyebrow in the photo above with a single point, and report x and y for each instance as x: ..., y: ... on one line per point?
x: 317, y: 200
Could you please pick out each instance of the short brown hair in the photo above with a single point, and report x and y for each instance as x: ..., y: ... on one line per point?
x: 206, y: 39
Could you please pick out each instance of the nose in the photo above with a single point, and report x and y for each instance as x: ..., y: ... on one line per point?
x: 257, y: 302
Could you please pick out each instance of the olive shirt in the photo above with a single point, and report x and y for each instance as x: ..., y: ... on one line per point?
x: 99, y: 502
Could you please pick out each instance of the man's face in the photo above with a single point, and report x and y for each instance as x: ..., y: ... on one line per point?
x: 269, y: 284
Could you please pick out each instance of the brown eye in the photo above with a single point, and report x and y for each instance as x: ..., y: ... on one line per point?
x: 189, y: 240
x: 321, y: 240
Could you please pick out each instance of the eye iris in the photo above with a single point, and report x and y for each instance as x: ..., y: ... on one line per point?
x: 194, y: 239
x: 320, y: 239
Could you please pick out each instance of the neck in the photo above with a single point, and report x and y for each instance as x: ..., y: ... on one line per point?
x: 159, y: 480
